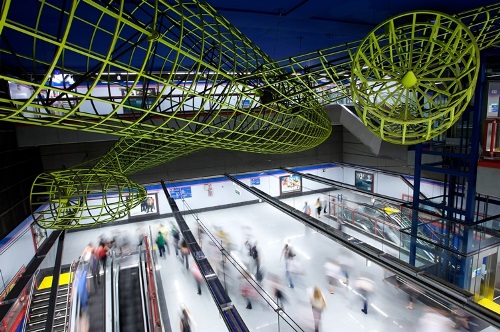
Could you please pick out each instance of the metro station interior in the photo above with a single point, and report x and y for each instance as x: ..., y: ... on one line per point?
x: 222, y: 121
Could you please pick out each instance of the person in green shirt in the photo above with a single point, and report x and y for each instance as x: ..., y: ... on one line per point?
x: 160, y: 241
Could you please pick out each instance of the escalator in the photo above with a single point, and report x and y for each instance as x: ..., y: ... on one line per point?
x: 391, y: 214
x: 131, y: 300
x: 97, y: 305
x: 134, y: 292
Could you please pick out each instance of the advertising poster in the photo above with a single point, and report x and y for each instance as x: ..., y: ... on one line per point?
x: 364, y: 181
x: 149, y: 206
x: 290, y: 184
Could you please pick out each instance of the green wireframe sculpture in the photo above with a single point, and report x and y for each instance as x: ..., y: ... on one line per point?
x: 171, y: 79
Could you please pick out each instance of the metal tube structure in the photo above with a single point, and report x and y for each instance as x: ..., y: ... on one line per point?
x: 174, y: 78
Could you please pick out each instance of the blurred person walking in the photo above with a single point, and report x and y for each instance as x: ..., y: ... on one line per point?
x: 164, y: 231
x: 247, y: 290
x: 325, y: 206
x: 288, y: 254
x: 197, y: 277
x: 333, y: 274
x: 160, y: 242
x: 185, y: 323
x: 435, y: 320
x: 318, y: 304
x: 277, y: 290
x: 317, y: 205
x: 177, y: 237
x: 365, y: 286
x: 306, y: 209
x: 185, y: 252
x: 87, y: 254
x: 254, y: 253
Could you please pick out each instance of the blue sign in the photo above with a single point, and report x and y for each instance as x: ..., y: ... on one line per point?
x: 494, y: 107
x: 255, y: 181
x: 245, y: 103
x: 180, y: 192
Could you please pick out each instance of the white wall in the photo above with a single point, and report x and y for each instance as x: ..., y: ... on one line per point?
x: 224, y: 192
x: 387, y: 184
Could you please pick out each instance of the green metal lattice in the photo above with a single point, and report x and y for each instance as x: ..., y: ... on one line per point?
x: 189, y: 80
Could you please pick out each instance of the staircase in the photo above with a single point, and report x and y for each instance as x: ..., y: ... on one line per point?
x: 39, y: 307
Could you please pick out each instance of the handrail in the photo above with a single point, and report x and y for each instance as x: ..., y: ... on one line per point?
x: 143, y: 291
x: 69, y: 302
x: 30, y: 296
x: 75, y: 308
x: 152, y: 290
x: 12, y: 282
x: 115, y: 299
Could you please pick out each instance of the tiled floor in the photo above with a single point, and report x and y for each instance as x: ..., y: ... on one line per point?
x: 270, y: 228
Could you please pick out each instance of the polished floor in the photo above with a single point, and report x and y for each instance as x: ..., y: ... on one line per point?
x: 270, y: 229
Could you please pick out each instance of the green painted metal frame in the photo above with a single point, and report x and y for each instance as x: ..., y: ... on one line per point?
x: 189, y: 80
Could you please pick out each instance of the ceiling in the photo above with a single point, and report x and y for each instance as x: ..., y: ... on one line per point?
x: 281, y: 28
x: 284, y: 28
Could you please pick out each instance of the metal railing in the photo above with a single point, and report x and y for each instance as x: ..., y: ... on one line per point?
x: 30, y: 297
x: 75, y: 265
x: 115, y: 301
x: 142, y: 285
x: 154, y: 307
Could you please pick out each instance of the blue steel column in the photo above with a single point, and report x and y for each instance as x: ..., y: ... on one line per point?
x: 470, y: 202
x: 416, y: 204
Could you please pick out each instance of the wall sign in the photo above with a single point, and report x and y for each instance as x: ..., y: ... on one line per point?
x: 180, y: 192
x: 363, y: 181
x: 290, y: 184
x: 254, y: 181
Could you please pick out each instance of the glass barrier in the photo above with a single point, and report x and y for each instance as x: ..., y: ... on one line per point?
x: 263, y: 282
x: 458, y: 248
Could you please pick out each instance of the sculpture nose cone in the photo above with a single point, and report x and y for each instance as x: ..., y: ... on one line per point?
x: 409, y: 79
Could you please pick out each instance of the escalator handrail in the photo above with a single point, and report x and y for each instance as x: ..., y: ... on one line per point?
x: 145, y: 307
x: 30, y: 297
x: 69, y: 301
x: 152, y: 288
x: 115, y: 305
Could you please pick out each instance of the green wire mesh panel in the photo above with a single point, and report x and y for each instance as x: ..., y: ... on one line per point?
x: 152, y: 70
x: 82, y: 198
x: 415, y: 74
x: 163, y: 76
x: 172, y: 79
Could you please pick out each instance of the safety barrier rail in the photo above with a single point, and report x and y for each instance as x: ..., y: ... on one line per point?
x: 12, y: 282
x: 33, y: 283
x: 75, y: 266
x: 143, y: 288
x: 17, y: 311
x: 231, y: 317
x: 115, y: 305
x: 153, y: 305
